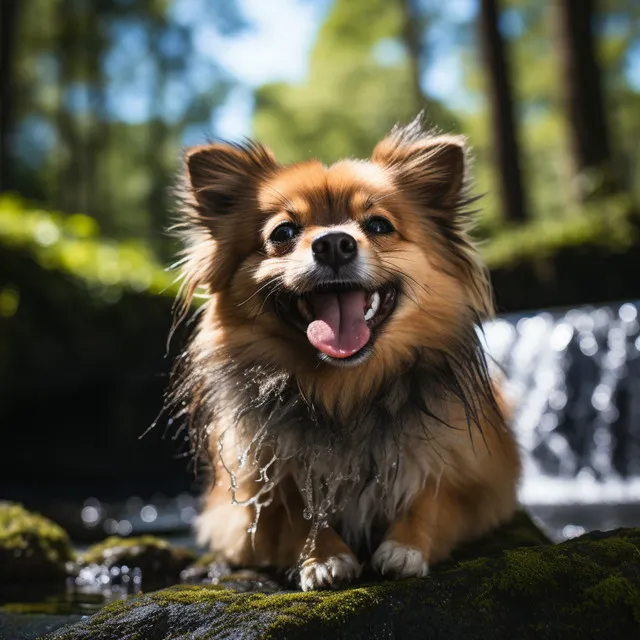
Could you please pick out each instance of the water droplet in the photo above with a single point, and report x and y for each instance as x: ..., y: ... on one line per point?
x: 307, y: 514
x: 148, y: 513
x: 110, y: 525
x: 561, y: 336
x: 572, y: 531
x: 628, y: 312
x: 124, y: 528
x: 588, y: 344
x: 90, y: 516
x: 188, y: 514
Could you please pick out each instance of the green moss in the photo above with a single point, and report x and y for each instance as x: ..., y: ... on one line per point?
x: 520, y: 531
x: 614, y: 592
x: 610, y: 223
x: 283, y: 610
x: 116, y: 547
x: 32, y: 547
x: 525, y: 573
x: 192, y: 594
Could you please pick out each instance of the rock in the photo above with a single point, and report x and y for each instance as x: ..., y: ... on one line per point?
x: 588, y: 587
x: 32, y: 547
x: 160, y: 562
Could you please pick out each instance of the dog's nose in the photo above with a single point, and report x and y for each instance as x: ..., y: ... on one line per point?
x: 335, y: 248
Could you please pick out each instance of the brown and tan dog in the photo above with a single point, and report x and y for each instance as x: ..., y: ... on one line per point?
x: 336, y: 376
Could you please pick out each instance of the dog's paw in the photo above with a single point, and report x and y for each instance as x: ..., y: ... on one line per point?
x: 329, y: 573
x: 394, y: 560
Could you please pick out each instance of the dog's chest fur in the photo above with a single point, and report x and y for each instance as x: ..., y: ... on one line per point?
x: 356, y: 473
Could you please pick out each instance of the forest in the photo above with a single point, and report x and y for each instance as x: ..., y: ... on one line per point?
x: 99, y: 99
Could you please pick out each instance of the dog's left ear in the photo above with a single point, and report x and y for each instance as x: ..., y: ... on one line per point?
x: 432, y: 169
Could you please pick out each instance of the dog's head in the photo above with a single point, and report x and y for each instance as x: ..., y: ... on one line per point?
x: 328, y: 266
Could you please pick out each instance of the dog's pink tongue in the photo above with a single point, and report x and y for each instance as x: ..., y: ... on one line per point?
x: 339, y: 329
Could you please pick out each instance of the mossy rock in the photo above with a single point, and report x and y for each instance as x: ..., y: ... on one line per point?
x: 32, y: 547
x: 159, y: 561
x: 588, y: 587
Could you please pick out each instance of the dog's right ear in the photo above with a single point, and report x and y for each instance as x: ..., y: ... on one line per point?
x: 221, y: 174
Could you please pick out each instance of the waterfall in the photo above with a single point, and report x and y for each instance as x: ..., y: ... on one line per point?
x: 573, y: 379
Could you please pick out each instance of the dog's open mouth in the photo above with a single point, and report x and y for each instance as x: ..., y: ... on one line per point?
x: 339, y: 319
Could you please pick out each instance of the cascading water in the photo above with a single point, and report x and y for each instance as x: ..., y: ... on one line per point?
x: 573, y: 378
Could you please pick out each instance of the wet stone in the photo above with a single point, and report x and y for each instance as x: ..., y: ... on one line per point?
x: 248, y: 580
x: 117, y: 560
x: 210, y: 567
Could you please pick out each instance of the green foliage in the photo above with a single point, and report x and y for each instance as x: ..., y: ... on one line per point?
x: 361, y: 82
x: 73, y: 244
x: 352, y: 96
x: 609, y: 224
x: 102, y: 94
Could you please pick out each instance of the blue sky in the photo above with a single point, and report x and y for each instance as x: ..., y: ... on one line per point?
x: 275, y: 48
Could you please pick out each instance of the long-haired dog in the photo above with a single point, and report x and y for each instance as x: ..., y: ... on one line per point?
x: 336, y: 377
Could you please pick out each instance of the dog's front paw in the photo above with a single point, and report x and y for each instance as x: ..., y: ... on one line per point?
x: 328, y: 573
x: 394, y: 560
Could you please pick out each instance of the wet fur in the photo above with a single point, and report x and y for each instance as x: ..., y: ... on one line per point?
x: 395, y: 460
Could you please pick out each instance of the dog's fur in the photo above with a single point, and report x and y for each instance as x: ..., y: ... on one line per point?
x: 396, y: 459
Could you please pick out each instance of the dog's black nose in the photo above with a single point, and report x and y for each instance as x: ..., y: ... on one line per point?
x: 335, y: 248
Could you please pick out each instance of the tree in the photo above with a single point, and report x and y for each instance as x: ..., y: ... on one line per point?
x: 582, y: 85
x: 103, y: 93
x: 412, y: 33
x: 362, y: 81
x: 505, y: 139
x: 9, y: 10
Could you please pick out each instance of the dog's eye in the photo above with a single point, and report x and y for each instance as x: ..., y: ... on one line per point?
x: 284, y: 232
x: 378, y: 225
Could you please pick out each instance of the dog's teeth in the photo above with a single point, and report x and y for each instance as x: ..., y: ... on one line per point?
x: 374, y: 305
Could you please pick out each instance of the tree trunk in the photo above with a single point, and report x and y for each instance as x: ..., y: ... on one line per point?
x: 8, y: 22
x: 584, y: 102
x: 412, y: 36
x: 505, y: 140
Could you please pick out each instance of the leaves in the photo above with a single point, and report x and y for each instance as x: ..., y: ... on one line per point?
x: 73, y: 244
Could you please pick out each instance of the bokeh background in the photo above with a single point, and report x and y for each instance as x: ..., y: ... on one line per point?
x: 99, y: 97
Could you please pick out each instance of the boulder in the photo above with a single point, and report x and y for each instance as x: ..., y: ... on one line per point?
x: 588, y: 587
x: 158, y: 560
x: 32, y: 547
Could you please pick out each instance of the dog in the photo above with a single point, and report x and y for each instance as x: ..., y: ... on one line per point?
x: 336, y: 379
